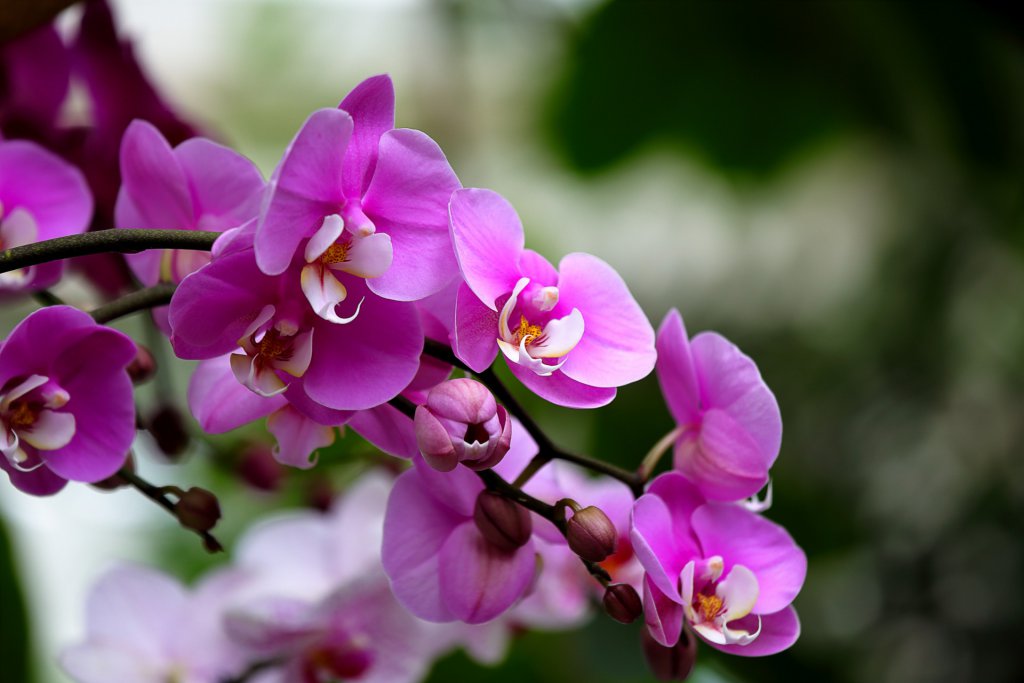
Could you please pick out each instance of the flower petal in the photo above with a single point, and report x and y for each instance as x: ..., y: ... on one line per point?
x: 476, y: 328
x: 561, y: 335
x: 562, y: 390
x: 227, y: 186
x: 371, y: 104
x: 676, y: 374
x: 721, y: 458
x: 329, y: 232
x: 368, y: 257
x: 488, y: 239
x: 387, y: 428
x: 779, y: 631
x: 219, y: 403
x: 154, y: 179
x: 298, y: 437
x: 324, y: 292
x: 50, y: 431
x: 49, y: 188
x: 663, y: 615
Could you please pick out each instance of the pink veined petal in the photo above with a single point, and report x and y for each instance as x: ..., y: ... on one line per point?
x: 562, y: 390
x: 478, y: 580
x: 433, y: 441
x: 488, y: 239
x: 330, y: 230
x: 658, y: 545
x: 372, y: 107
x: 298, y: 437
x: 305, y: 188
x: 676, y: 373
x: 731, y: 381
x: 416, y: 527
x: 738, y: 591
x: 779, y: 630
x: 476, y: 331
x: 765, y: 548
x: 367, y: 362
x: 368, y: 257
x: 219, y: 403
x: 663, y: 616
x: 456, y: 490
x: 320, y: 414
x: 537, y: 268
x: 561, y: 335
x: 682, y: 498
x: 49, y: 188
x: 154, y: 179
x: 50, y: 431
x: 408, y: 199
x: 721, y: 458
x: 227, y: 186
x: 618, y: 346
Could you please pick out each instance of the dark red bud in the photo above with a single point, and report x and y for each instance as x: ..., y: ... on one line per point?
x: 168, y: 430
x: 502, y: 522
x: 591, y: 534
x: 671, y: 663
x: 143, y: 366
x: 197, y: 509
x: 622, y: 603
x: 258, y: 468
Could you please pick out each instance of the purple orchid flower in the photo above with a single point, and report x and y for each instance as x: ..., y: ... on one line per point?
x: 41, y: 197
x: 729, y: 428
x: 35, y: 71
x: 313, y: 597
x: 570, y: 335
x: 730, y: 574
x: 441, y: 565
x: 280, y: 342
x: 359, y: 201
x: 143, y: 626
x: 66, y: 406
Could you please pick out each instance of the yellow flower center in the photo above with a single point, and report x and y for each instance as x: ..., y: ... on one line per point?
x: 709, y: 605
x: 21, y: 416
x: 336, y: 253
x: 272, y: 347
x: 527, y: 331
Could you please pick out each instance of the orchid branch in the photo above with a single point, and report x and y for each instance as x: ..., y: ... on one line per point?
x: 157, y: 495
x: 139, y: 300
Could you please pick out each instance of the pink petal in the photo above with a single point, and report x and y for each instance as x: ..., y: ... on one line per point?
x: 327, y: 234
x: 659, y: 546
x: 618, y: 345
x: 49, y: 188
x: 387, y: 428
x: 456, y: 490
x: 38, y: 482
x: 562, y: 390
x: 480, y: 581
x: 763, y: 547
x: 219, y: 403
x: 663, y: 616
x: 731, y: 381
x: 476, y: 331
x: 721, y: 458
x: 537, y: 268
x: 324, y: 292
x: 488, y: 239
x: 305, y: 188
x: 408, y: 199
x: 108, y: 663
x: 367, y: 362
x: 227, y: 186
x: 50, y: 431
x: 676, y: 373
x: 38, y: 69
x: 298, y: 437
x: 415, y: 529
x: 368, y: 257
x: 371, y: 104
x: 154, y: 179
x: 561, y: 335
x: 779, y: 631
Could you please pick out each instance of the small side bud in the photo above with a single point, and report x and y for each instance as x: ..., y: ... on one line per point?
x: 258, y: 468
x: 197, y: 509
x: 502, y: 522
x: 143, y: 366
x: 168, y: 430
x: 460, y: 422
x: 622, y: 603
x: 591, y: 534
x: 670, y: 663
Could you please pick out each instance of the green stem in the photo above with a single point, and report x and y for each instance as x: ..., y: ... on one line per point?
x: 157, y: 495
x: 140, y: 300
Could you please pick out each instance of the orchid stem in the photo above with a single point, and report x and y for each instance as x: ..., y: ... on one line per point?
x: 140, y: 300
x: 158, y: 496
x: 101, y: 241
x: 653, y: 456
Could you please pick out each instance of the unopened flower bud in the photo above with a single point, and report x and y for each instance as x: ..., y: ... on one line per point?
x: 461, y: 422
x: 502, y: 522
x: 143, y: 366
x: 197, y: 509
x: 259, y: 469
x: 168, y: 430
x: 622, y: 603
x: 670, y: 663
x: 591, y: 534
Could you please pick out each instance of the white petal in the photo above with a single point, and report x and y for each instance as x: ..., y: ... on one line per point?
x: 18, y: 229
x: 741, y: 636
x: 50, y: 431
x: 324, y: 292
x: 686, y: 590
x: 561, y: 336
x: 511, y: 352
x: 738, y: 591
x: 27, y: 385
x: 302, y: 353
x: 546, y: 298
x: 503, y: 331
x: 263, y: 382
x: 9, y: 442
x: 368, y: 256
x: 758, y: 506
x: 329, y: 232
x: 536, y: 365
x: 264, y: 316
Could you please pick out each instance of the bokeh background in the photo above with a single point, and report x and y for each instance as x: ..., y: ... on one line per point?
x: 838, y: 187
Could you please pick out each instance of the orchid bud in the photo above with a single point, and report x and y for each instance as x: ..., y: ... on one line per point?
x: 670, y: 663
x: 259, y: 469
x: 168, y: 430
x: 502, y: 522
x: 143, y: 366
x: 461, y: 422
x: 622, y: 603
x: 591, y: 534
x: 197, y: 509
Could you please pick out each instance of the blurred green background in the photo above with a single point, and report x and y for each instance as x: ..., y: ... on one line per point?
x: 837, y: 187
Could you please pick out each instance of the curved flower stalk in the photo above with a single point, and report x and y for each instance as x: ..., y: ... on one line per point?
x: 66, y: 406
x: 729, y: 425
x: 730, y: 574
x: 359, y: 200
x: 571, y: 335
x: 41, y: 197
